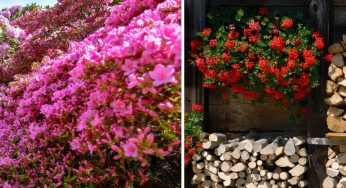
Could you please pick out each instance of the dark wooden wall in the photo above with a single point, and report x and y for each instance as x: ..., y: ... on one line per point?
x: 234, y: 115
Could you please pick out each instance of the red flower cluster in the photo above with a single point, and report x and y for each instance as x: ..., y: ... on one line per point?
x: 287, y: 23
x: 197, y: 108
x: 274, y: 59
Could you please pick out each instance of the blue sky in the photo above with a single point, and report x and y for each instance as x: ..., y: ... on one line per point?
x: 9, y: 3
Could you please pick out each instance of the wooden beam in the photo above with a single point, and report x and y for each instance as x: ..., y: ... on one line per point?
x: 336, y: 136
x: 268, y: 3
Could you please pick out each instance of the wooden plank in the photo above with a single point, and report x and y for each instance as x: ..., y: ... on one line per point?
x: 324, y: 141
x: 339, y: 16
x: 336, y: 136
x: 320, y: 11
x: 291, y: 3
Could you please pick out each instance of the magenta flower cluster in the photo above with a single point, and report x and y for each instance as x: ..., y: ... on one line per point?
x: 96, y: 114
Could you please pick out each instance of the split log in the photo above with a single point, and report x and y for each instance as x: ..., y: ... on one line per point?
x: 302, y: 183
x: 236, y: 154
x: 284, y: 175
x: 226, y: 156
x: 335, y: 48
x: 341, y: 158
x: 335, y: 166
x: 270, y: 148
x: 198, y: 178
x: 332, y: 172
x: 331, y: 153
x: 293, y: 180
x: 246, y: 145
x: 294, y: 158
x: 338, y: 60
x: 226, y: 166
x: 284, y: 162
x: 329, y: 182
x: 259, y: 144
x: 298, y: 170
x: 238, y: 167
x: 279, y: 151
x: 206, y: 184
x: 331, y: 87
x: 215, y: 178
x: 334, y: 72
x: 336, y: 124
x: 342, y: 170
x: 343, y: 181
x: 245, y: 155
x: 335, y: 112
x: 210, y: 144
x: 224, y: 175
x: 303, y: 161
x: 217, y: 137
x: 334, y: 100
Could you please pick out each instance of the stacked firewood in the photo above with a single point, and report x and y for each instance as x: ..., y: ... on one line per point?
x: 336, y: 88
x: 244, y: 162
x: 336, y: 167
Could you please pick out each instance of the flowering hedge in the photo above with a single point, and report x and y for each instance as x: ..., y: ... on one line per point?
x: 259, y: 56
x: 193, y: 133
x: 97, y: 114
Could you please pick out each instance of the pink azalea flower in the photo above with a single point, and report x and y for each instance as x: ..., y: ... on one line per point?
x: 162, y: 75
x: 131, y: 149
x: 75, y: 144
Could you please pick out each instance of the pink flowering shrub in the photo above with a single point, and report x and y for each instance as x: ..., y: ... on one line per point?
x: 52, y: 30
x: 97, y: 115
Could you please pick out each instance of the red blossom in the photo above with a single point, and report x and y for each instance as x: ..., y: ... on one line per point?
x: 316, y: 34
x: 197, y: 108
x: 328, y: 57
x: 253, y: 39
x: 287, y: 23
x: 247, y: 32
x: 226, y: 57
x: 296, y: 41
x: 252, y: 55
x: 277, y: 43
x: 213, y: 43
x: 233, y: 35
x: 229, y: 44
x: 194, y: 45
x: 319, y: 43
x: 293, y: 54
x: 254, y: 26
x: 206, y: 32
x: 249, y: 65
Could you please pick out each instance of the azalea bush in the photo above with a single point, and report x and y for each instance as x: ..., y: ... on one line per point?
x: 99, y: 113
x: 193, y: 133
x: 260, y: 56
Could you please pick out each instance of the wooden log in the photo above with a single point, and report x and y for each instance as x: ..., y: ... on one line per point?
x: 303, y: 161
x: 263, y: 157
x: 338, y: 60
x: 241, y: 174
x: 250, y: 185
x: 331, y: 153
x: 228, y: 183
x: 331, y: 87
x: 264, y: 184
x: 342, y: 170
x: 293, y: 180
x: 215, y: 185
x: 198, y: 178
x: 259, y: 163
x: 335, y: 112
x: 290, y: 148
x: 210, y: 144
x: 252, y: 164
x: 215, y: 178
x: 298, y: 170
x: 213, y: 169
x: 329, y: 182
x: 334, y: 72
x: 224, y: 175
x: 335, y: 48
x: 240, y: 182
x: 335, y: 166
x: 224, y: 147
x: 197, y: 157
x: 270, y: 148
x: 302, y: 152
x: 206, y: 184
x: 284, y: 176
x: 226, y: 156
x: 200, y: 165
x: 298, y: 140
x: 196, y: 170
x: 334, y: 100
x: 226, y: 166
x: 330, y: 162
x: 234, y: 176
x: 332, y: 172
x: 259, y: 144
x: 210, y: 157
x: 236, y: 153
x: 279, y: 151
x: 246, y: 145
x: 341, y: 158
x: 336, y: 124
x: 244, y: 155
x: 276, y: 173
x: 343, y: 181
x: 284, y: 162
x: 217, y: 137
x: 238, y: 167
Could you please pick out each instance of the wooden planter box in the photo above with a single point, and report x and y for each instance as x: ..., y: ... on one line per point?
x: 238, y: 115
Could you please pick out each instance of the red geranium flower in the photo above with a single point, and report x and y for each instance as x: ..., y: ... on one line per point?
x: 233, y: 35
x: 277, y: 43
x: 249, y: 65
x: 293, y: 54
x: 254, y: 26
x: 197, y: 108
x: 287, y: 23
x: 229, y: 44
x: 328, y: 57
x: 206, y: 32
x: 319, y: 43
x: 296, y: 42
x: 226, y: 57
x: 213, y: 43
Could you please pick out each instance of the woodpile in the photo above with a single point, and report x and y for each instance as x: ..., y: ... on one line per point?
x: 245, y: 162
x: 336, y: 88
x: 336, y: 168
